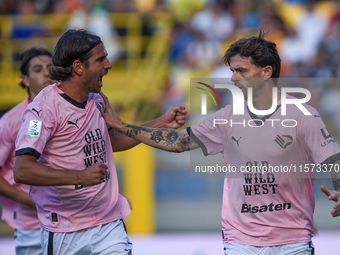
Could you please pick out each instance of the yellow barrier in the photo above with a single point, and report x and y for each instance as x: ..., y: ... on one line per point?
x: 131, y: 81
x: 139, y: 169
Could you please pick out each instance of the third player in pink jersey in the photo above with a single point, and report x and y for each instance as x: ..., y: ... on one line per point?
x: 19, y: 211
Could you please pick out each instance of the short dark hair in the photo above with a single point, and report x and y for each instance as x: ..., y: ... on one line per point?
x: 262, y: 52
x: 74, y: 44
x: 26, y: 58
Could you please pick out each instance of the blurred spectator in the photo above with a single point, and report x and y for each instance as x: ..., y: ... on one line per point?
x: 331, y: 42
x: 321, y: 65
x: 241, y: 10
x: 329, y: 105
x: 183, y: 10
x: 173, y: 95
x: 201, y: 52
x: 8, y: 6
x: 297, y: 1
x: 94, y: 17
x: 292, y: 49
x: 160, y: 6
x: 309, y: 42
x: 25, y: 26
x: 221, y: 71
x: 181, y: 36
x: 215, y: 22
x: 123, y: 6
x: 271, y: 21
x: 336, y: 62
x: 311, y: 28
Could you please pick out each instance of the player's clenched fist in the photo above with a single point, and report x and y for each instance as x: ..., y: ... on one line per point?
x: 174, y: 117
x: 94, y: 174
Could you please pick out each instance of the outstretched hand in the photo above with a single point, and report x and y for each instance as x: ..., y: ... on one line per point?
x: 110, y: 116
x: 174, y: 117
x: 335, y: 196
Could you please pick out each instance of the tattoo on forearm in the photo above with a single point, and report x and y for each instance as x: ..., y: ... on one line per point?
x: 157, y: 136
x: 171, y: 138
x: 135, y: 130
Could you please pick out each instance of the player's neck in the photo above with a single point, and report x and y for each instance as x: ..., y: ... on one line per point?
x: 74, y: 91
x: 31, y: 96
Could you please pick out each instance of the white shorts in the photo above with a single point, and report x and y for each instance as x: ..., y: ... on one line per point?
x: 105, y: 239
x: 287, y: 249
x: 27, y: 242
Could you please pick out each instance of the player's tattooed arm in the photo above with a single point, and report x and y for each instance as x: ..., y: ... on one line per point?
x: 171, y: 140
x: 174, y: 118
x: 334, y: 194
x: 167, y: 139
x: 135, y: 130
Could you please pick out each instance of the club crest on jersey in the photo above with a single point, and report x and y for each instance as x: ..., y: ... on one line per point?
x: 284, y: 141
x: 34, y: 128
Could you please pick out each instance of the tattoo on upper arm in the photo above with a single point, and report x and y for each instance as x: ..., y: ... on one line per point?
x: 336, y: 177
x: 336, y: 184
x: 336, y: 180
x: 184, y: 142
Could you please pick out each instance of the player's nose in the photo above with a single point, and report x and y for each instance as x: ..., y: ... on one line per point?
x: 46, y: 71
x: 108, y: 64
x: 235, y: 77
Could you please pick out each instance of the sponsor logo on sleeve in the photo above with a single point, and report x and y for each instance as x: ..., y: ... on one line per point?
x: 38, y: 112
x: 327, y: 137
x: 34, y: 128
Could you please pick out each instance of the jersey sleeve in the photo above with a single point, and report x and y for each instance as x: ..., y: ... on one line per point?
x: 39, y: 124
x: 321, y: 146
x: 6, y: 142
x: 209, y: 134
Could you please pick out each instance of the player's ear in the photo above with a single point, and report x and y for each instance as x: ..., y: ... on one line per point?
x: 267, y: 72
x: 78, y: 67
x: 25, y: 81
